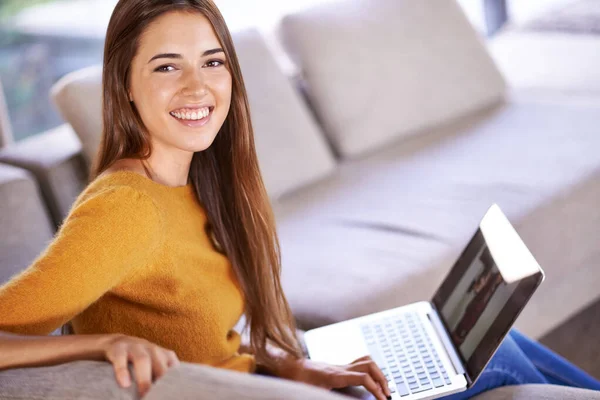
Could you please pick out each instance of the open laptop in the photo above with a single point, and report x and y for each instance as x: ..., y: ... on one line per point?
x: 432, y: 349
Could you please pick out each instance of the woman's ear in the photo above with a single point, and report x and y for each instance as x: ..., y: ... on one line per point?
x: 130, y: 96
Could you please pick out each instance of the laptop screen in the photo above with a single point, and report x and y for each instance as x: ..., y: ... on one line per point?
x: 478, y: 303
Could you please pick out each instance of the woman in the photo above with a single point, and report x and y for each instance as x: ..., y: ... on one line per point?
x: 176, y: 168
x: 174, y: 238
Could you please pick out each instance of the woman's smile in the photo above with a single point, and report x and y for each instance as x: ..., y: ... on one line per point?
x: 193, y: 117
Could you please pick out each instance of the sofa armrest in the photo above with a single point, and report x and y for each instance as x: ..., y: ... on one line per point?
x: 25, y: 224
x: 54, y: 158
x: 199, y: 382
x: 537, y: 391
x: 94, y: 380
x: 189, y: 380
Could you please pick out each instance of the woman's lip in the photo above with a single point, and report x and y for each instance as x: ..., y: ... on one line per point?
x: 193, y: 123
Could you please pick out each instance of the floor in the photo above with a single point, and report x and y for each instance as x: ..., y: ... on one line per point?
x: 577, y: 339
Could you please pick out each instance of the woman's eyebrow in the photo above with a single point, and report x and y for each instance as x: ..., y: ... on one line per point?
x: 175, y: 55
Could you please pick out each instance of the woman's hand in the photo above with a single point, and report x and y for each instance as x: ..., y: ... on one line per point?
x: 150, y: 361
x: 361, y: 372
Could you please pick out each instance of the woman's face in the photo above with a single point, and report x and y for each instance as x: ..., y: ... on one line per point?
x: 180, y: 82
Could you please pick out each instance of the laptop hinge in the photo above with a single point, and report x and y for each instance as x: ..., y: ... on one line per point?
x: 447, y: 344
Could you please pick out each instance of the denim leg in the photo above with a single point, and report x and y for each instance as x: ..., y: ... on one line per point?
x: 509, y: 366
x: 556, y: 369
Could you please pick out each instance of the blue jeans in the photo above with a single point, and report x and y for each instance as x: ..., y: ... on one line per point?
x: 520, y: 360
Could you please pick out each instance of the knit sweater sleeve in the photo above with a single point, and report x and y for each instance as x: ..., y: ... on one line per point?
x: 105, y: 237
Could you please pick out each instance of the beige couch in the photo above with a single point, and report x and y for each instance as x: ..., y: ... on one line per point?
x: 380, y: 160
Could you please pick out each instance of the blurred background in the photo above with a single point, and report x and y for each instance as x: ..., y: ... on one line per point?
x: 42, y: 40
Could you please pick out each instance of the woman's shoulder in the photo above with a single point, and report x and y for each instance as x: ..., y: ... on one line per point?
x: 122, y: 188
x: 112, y: 209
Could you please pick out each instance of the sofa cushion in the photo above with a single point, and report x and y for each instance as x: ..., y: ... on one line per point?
x: 377, y: 70
x: 548, y: 61
x: 78, y: 96
x: 291, y: 148
x: 26, y: 226
x: 385, y: 229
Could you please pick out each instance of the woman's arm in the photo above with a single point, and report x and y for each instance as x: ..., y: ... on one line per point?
x: 108, y: 236
x: 361, y: 372
x: 35, y: 351
x: 150, y: 361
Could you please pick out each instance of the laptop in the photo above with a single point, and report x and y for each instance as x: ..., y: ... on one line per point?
x: 435, y: 348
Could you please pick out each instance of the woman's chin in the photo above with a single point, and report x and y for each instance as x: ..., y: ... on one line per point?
x: 196, y: 143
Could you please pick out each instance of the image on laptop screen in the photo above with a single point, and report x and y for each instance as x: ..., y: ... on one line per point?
x: 478, y: 306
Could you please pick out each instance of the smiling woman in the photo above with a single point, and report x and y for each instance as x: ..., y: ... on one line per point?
x: 176, y: 161
x: 174, y: 99
x: 174, y: 238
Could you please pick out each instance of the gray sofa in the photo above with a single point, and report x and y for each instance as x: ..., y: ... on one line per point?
x: 93, y: 380
x: 380, y: 157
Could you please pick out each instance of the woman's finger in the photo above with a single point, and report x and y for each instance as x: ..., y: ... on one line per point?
x: 369, y: 366
x: 142, y: 367
x: 159, y: 362
x: 352, y: 378
x: 363, y: 358
x: 117, y: 356
x: 172, y: 359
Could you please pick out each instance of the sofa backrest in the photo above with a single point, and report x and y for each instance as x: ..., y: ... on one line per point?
x: 378, y: 70
x: 292, y: 150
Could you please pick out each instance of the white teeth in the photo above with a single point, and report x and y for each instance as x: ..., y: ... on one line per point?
x: 192, y: 115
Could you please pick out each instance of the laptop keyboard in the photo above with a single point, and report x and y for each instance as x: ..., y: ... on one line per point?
x: 403, y: 350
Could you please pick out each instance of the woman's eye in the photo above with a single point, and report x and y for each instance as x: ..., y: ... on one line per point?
x: 215, y: 63
x: 164, y: 68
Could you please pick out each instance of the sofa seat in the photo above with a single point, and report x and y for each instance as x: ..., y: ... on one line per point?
x: 386, y: 228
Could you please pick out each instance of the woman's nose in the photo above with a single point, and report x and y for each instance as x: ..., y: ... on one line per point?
x: 195, y: 85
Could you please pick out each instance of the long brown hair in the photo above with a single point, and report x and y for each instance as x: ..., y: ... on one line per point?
x: 226, y: 176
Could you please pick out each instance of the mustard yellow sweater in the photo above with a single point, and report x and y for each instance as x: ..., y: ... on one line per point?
x: 133, y: 257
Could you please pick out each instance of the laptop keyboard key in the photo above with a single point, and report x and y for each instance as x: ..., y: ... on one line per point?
x: 402, y: 389
x: 438, y: 382
x: 419, y: 389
